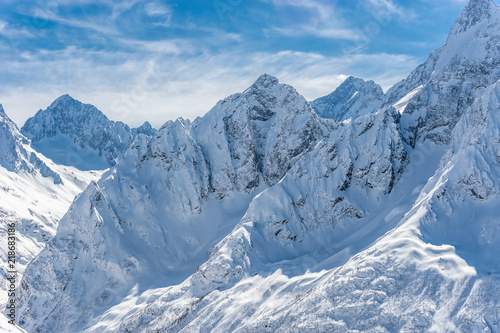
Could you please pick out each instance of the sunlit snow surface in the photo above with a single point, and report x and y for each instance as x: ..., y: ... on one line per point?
x: 34, y: 194
x: 388, y: 222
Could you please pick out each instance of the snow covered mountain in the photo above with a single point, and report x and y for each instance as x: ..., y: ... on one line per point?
x: 353, y: 98
x: 15, y: 156
x: 188, y: 186
x: 34, y: 193
x: 434, y: 97
x: 76, y: 134
x: 385, y: 223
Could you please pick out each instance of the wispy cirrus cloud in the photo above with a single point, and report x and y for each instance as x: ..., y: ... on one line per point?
x: 318, y: 19
x: 135, y: 88
x: 323, y: 32
x: 155, y: 60
x: 391, y: 8
x: 320, y: 9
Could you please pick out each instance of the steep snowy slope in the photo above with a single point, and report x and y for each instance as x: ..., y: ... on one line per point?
x: 353, y: 98
x: 387, y: 222
x: 76, y: 134
x: 145, y: 129
x: 34, y: 193
x: 152, y: 220
x: 435, y: 271
x: 438, y: 271
x: 15, y: 156
x: 336, y: 194
x: 438, y: 92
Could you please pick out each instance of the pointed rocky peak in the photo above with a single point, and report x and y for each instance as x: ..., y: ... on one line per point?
x: 354, y: 97
x: 69, y: 127
x: 354, y: 83
x: 64, y: 99
x: 65, y: 115
x: 352, y: 80
x: 475, y: 12
x: 73, y: 108
x: 264, y: 99
x: 7, y: 125
x: 146, y: 129
x: 266, y: 81
x: 62, y: 102
x: 6, y: 121
x: 15, y: 155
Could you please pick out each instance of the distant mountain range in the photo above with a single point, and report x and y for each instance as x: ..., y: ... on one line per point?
x: 361, y: 211
x: 76, y: 134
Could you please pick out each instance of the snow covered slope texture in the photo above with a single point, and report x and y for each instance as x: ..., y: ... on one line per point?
x: 14, y: 154
x: 353, y: 98
x: 156, y: 215
x: 437, y: 93
x: 296, y: 224
x: 34, y: 193
x: 436, y: 270
x: 145, y: 129
x: 76, y: 134
x: 330, y: 230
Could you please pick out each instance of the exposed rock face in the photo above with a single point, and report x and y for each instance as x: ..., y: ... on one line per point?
x: 184, y: 175
x: 438, y: 92
x: 353, y: 98
x: 15, y: 155
x: 76, y: 134
x: 34, y: 194
x: 388, y: 222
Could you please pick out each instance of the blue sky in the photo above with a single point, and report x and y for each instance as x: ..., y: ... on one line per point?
x: 158, y: 60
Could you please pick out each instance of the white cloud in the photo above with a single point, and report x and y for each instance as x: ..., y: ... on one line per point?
x: 139, y: 88
x: 157, y: 9
x: 320, y: 9
x: 329, y: 33
x: 384, y: 7
x: 8, y: 31
x: 322, y: 20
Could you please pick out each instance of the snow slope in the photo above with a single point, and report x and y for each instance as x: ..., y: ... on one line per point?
x: 384, y: 223
x: 156, y: 215
x: 34, y: 193
x: 353, y: 98
x: 76, y: 134
x: 439, y: 91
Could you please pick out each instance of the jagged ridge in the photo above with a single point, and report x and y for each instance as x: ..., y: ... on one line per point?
x: 353, y: 98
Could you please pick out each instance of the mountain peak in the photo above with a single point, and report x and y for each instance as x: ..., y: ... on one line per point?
x: 64, y: 101
x: 87, y: 134
x: 353, y: 79
x: 145, y: 128
x: 3, y: 115
x: 475, y: 11
x: 5, y: 119
x: 266, y: 81
x: 354, y: 97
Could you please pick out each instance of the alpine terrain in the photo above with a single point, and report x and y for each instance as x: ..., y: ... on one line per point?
x: 75, y: 134
x: 34, y: 194
x: 358, y: 212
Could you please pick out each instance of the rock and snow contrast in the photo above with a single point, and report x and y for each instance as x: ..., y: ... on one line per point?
x: 365, y: 212
x: 75, y: 134
x: 34, y: 194
x: 351, y: 99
